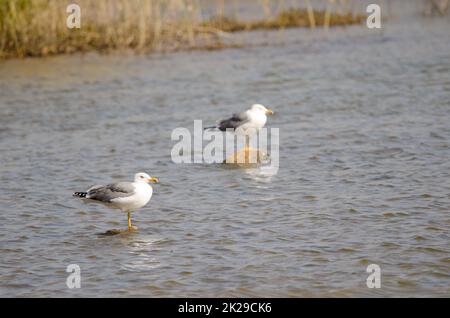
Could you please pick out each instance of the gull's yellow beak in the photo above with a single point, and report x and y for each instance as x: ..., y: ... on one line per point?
x: 269, y: 111
x: 153, y: 180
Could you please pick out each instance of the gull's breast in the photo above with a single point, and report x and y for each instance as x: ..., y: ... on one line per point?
x: 259, y: 120
x: 139, y: 199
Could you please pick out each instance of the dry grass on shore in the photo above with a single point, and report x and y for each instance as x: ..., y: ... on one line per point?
x: 291, y: 18
x: 38, y: 27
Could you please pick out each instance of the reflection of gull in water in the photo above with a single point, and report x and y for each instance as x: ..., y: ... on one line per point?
x: 141, y: 256
x: 126, y: 196
x: 263, y: 173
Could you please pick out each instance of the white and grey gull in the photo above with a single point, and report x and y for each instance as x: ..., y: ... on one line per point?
x: 246, y: 123
x: 126, y: 196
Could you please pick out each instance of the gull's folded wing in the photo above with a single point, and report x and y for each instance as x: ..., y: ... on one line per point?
x: 234, y: 121
x: 111, y: 191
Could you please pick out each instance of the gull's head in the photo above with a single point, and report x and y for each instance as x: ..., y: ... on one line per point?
x: 145, y: 178
x: 262, y: 109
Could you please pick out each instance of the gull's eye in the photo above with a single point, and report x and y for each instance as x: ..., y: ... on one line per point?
x: 142, y: 177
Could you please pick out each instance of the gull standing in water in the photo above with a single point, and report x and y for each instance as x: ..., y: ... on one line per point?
x: 126, y: 196
x: 246, y: 123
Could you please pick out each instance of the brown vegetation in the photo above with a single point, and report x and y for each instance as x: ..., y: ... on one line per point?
x: 38, y: 27
x: 286, y: 19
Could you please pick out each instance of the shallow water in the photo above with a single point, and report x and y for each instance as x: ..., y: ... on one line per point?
x: 364, y: 168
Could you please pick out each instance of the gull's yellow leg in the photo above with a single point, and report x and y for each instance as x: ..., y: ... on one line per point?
x: 129, y: 221
x: 247, y: 150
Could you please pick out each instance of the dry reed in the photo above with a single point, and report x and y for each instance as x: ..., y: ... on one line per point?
x: 38, y: 27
